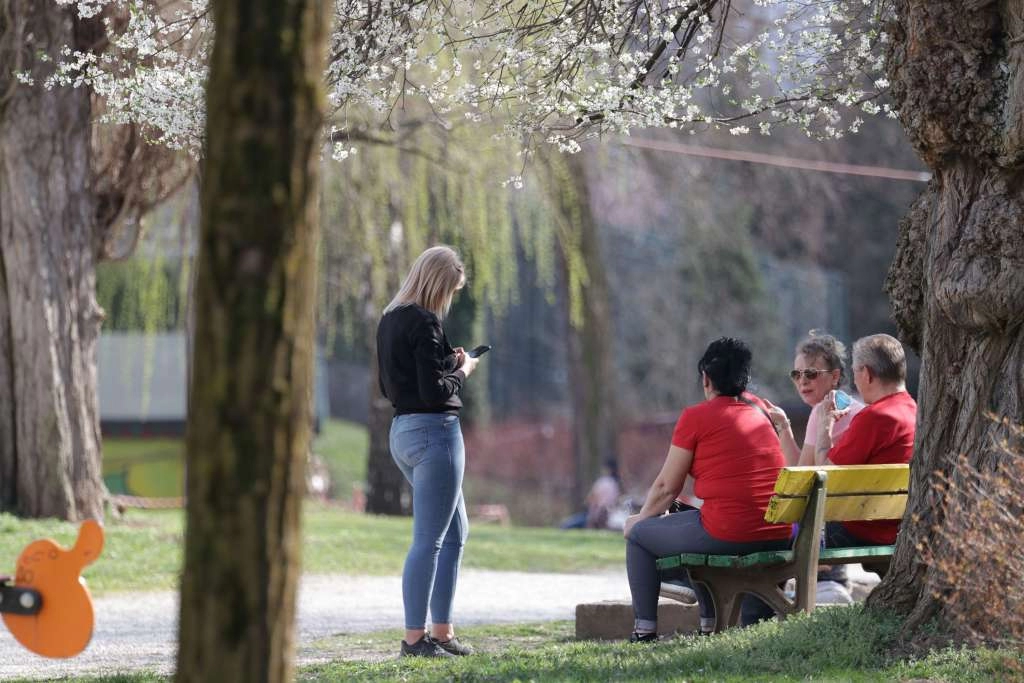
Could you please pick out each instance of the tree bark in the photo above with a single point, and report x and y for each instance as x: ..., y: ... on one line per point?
x: 49, y: 318
x: 957, y: 283
x: 589, y: 332
x: 387, y: 491
x: 251, y: 396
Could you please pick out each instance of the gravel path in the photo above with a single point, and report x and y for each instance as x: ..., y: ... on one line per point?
x: 137, y: 630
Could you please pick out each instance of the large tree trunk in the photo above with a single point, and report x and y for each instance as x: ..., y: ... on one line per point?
x: 589, y: 334
x: 49, y: 318
x: 957, y: 283
x: 250, y: 407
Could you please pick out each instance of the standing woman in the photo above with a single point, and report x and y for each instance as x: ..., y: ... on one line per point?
x: 422, y: 376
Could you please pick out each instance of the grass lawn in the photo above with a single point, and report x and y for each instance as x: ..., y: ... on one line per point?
x: 155, y: 467
x: 832, y: 644
x: 143, y: 550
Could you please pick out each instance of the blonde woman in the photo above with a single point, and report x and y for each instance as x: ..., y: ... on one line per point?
x: 422, y: 376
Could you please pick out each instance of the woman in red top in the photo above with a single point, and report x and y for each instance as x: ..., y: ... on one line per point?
x: 730, y: 448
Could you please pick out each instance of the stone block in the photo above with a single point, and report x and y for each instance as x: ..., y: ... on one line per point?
x: 613, y: 619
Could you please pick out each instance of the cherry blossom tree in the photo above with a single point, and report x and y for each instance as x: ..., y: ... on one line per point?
x: 562, y: 72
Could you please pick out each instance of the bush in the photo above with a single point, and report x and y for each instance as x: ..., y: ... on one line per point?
x: 977, y: 555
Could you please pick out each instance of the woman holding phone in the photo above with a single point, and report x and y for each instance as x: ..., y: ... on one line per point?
x: 819, y: 370
x: 422, y: 375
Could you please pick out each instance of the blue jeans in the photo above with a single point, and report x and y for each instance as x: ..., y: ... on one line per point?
x: 428, y: 448
x: 673, y: 534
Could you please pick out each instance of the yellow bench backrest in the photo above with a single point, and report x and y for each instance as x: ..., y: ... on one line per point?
x: 854, y: 492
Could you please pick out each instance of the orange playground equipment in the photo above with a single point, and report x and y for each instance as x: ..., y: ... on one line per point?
x: 47, y: 606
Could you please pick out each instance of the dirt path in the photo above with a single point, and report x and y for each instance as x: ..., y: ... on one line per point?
x: 136, y: 631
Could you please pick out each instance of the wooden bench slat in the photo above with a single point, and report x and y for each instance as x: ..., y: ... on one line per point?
x: 867, y: 552
x: 771, y: 557
x: 797, y: 481
x: 684, y: 559
x: 839, y: 508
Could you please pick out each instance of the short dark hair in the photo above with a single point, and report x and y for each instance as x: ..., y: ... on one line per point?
x: 726, y: 362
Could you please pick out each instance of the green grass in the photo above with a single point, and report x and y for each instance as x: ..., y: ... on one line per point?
x: 143, y: 550
x: 155, y: 467
x: 831, y: 644
x: 343, y: 446
x: 837, y: 644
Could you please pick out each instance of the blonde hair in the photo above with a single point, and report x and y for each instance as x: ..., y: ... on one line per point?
x: 432, y: 281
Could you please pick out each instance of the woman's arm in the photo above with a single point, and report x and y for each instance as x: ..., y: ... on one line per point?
x: 665, y: 487
x: 783, y: 427
x: 806, y: 455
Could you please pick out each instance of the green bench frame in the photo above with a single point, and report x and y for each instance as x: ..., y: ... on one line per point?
x: 860, y: 493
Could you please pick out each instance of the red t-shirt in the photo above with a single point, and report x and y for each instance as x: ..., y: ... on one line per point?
x: 880, y: 434
x: 736, y: 460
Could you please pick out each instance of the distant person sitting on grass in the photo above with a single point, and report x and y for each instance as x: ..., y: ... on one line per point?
x: 881, y: 433
x: 729, y: 446
x: 601, y: 500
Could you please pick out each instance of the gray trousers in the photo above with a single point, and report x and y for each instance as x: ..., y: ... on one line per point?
x: 681, y: 532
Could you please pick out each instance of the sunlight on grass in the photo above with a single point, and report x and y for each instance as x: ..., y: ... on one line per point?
x: 832, y: 644
x: 143, y: 550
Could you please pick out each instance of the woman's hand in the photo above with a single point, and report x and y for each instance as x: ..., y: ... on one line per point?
x: 829, y: 416
x: 468, y: 364
x: 628, y: 525
x: 778, y: 416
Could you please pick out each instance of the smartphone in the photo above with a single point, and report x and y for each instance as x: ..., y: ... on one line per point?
x: 479, y: 351
x: 842, y: 400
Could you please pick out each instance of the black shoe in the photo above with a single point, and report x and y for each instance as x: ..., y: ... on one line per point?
x: 643, y: 637
x: 424, y: 647
x: 454, y: 647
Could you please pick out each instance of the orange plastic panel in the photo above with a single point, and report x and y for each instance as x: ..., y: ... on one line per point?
x: 63, y: 626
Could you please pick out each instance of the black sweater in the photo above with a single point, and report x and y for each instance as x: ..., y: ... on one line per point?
x: 416, y: 363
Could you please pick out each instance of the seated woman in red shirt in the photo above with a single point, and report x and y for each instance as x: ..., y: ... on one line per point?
x: 729, y: 446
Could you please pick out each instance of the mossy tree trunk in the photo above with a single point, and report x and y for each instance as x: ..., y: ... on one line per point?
x: 49, y: 318
x: 589, y: 332
x: 957, y: 283
x: 250, y: 396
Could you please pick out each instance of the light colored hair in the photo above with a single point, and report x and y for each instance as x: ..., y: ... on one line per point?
x: 884, y: 356
x: 432, y: 281
x: 821, y: 345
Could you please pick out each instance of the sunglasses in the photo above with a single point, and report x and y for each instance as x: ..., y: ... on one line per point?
x: 808, y: 373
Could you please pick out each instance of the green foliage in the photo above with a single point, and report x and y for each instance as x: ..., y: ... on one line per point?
x: 140, y: 294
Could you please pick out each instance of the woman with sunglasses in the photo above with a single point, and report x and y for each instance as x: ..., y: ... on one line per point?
x: 819, y: 370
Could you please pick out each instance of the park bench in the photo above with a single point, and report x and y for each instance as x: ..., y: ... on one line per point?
x: 810, y: 496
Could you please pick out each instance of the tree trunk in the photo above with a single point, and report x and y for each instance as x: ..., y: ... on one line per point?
x: 387, y: 491
x: 957, y: 284
x: 49, y: 318
x: 589, y: 334
x: 251, y: 396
